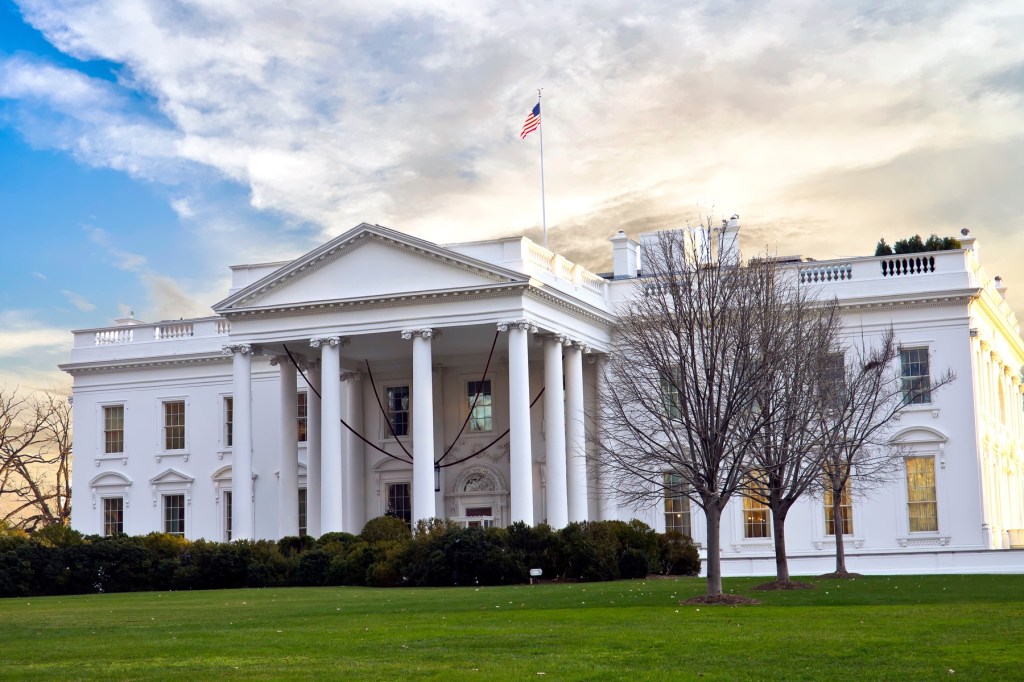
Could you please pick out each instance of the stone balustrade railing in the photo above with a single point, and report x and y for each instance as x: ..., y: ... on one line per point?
x: 208, y: 327
x: 561, y: 268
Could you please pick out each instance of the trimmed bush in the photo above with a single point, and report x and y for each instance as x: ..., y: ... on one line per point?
x: 678, y: 555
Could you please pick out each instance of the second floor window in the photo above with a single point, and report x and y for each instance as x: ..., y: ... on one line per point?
x: 478, y: 397
x: 397, y: 406
x: 113, y: 429
x: 174, y: 425
x: 671, y: 398
x: 915, y: 376
x: 303, y: 416
x: 229, y: 421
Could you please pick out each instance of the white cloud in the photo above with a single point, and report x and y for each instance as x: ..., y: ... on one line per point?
x: 78, y: 301
x: 124, y: 260
x: 40, y: 276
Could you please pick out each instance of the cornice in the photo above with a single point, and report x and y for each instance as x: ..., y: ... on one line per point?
x: 917, y: 300
x: 77, y: 368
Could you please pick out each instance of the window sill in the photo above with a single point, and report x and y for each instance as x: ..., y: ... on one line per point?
x: 184, y: 454
x: 923, y: 539
x: 920, y: 409
x: 123, y: 457
x: 753, y: 545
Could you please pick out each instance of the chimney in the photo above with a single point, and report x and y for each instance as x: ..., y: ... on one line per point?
x: 1000, y: 287
x: 129, y: 321
x: 967, y: 241
x: 729, y: 240
x: 624, y: 256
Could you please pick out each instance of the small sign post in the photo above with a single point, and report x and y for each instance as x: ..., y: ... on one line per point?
x: 535, y: 573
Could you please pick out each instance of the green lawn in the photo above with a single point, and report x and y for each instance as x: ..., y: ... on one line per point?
x: 899, y: 628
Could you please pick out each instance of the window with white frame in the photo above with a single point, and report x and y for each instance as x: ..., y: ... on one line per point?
x: 302, y: 406
x: 922, y: 506
x: 113, y: 515
x: 174, y: 514
x: 677, y: 505
x: 396, y: 405
x: 227, y: 515
x: 845, y: 508
x: 113, y: 429
x: 479, y: 403
x: 399, y: 502
x: 229, y: 421
x: 302, y: 512
x: 174, y: 425
x: 915, y: 376
x: 756, y: 514
x: 671, y: 398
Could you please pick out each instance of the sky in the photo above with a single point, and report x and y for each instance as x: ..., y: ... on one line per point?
x: 147, y: 145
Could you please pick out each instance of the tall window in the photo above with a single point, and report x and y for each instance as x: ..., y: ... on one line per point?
x: 113, y: 515
x: 833, y: 380
x: 113, y: 429
x: 916, y: 379
x: 671, y: 400
x: 677, y: 505
x: 174, y: 514
x: 229, y: 421
x: 400, y: 502
x: 397, y: 404
x: 174, y: 425
x: 922, y: 510
x: 846, y: 508
x: 478, y: 400
x: 303, y: 415
x: 227, y: 515
x: 302, y: 512
x: 755, y: 517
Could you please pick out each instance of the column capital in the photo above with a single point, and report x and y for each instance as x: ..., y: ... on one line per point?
x: 554, y: 337
x: 351, y: 376
x: 241, y: 348
x: 332, y: 341
x: 425, y: 333
x: 525, y: 325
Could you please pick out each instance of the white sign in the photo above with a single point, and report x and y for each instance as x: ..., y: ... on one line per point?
x: 536, y: 572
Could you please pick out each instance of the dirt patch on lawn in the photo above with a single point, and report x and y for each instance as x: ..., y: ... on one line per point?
x: 840, y: 575
x: 784, y: 585
x: 721, y: 600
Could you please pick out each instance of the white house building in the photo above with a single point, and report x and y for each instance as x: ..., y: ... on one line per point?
x: 384, y: 373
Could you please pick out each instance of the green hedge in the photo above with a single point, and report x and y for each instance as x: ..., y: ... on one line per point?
x: 384, y: 554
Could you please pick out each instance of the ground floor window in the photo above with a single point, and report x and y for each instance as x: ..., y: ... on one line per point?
x: 677, y: 505
x: 174, y: 514
x: 479, y: 517
x: 399, y: 503
x: 922, y: 509
x: 113, y: 515
x: 846, y: 508
x: 302, y: 512
x: 227, y: 516
x: 755, y: 519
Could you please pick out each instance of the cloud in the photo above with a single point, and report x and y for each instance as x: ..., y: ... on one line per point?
x: 124, y: 260
x: 78, y: 301
x: 30, y: 351
x: 40, y: 276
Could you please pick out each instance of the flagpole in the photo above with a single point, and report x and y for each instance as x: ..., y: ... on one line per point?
x: 543, y: 209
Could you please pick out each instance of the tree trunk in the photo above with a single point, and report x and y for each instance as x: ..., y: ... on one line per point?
x: 779, y: 535
x: 837, y: 526
x: 714, y: 519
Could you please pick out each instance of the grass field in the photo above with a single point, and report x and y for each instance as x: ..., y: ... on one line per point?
x: 899, y: 628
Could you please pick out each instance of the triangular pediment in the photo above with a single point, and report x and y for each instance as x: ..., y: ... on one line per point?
x: 171, y: 477
x: 367, y: 262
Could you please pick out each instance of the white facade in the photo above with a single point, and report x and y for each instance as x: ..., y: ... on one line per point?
x: 171, y: 418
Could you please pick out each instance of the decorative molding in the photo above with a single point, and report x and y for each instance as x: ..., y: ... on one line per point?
x: 525, y: 325
x: 560, y: 339
x: 332, y: 341
x: 231, y: 349
x: 75, y: 369
x: 931, y: 541
x: 351, y: 376
x: 425, y: 333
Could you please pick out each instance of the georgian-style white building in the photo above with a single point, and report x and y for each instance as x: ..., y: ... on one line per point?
x: 306, y: 404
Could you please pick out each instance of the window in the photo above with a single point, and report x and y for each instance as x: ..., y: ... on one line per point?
x: 227, y: 515
x: 113, y: 429
x: 400, y: 502
x: 303, y: 414
x: 846, y: 507
x: 479, y: 517
x: 478, y: 400
x: 916, y: 378
x: 397, y: 405
x: 113, y: 515
x: 174, y: 425
x: 677, y: 505
x: 671, y: 399
x: 922, y: 510
x: 229, y: 421
x: 833, y: 380
x: 755, y: 515
x: 302, y: 512
x: 174, y: 514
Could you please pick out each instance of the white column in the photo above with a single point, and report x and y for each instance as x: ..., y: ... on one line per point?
x: 288, y: 450
x: 520, y: 459
x: 604, y: 512
x: 313, y: 436
x: 554, y: 433
x: 422, y: 424
x: 330, y: 438
x: 355, y: 502
x: 241, y: 449
x: 575, y: 435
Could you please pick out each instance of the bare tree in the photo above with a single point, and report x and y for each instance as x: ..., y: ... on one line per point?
x: 857, y: 452
x: 686, y: 369
x: 35, y: 459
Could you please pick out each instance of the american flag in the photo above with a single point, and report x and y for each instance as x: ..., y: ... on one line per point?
x: 532, y: 122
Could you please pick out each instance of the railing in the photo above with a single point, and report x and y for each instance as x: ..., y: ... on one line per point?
x: 907, y: 265
x: 160, y: 332
x: 826, y: 273
x: 223, y: 327
x: 174, y: 330
x: 563, y: 269
x: 110, y: 337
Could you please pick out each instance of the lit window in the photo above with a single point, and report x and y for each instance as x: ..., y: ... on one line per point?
x: 229, y: 421
x: 174, y: 425
x: 302, y: 512
x: 916, y: 379
x: 113, y: 515
x: 174, y: 514
x: 227, y: 515
x: 677, y: 505
x: 397, y: 404
x: 922, y: 510
x: 846, y: 509
x: 303, y: 414
x: 400, y: 502
x: 113, y: 429
x: 755, y: 516
x: 478, y: 397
